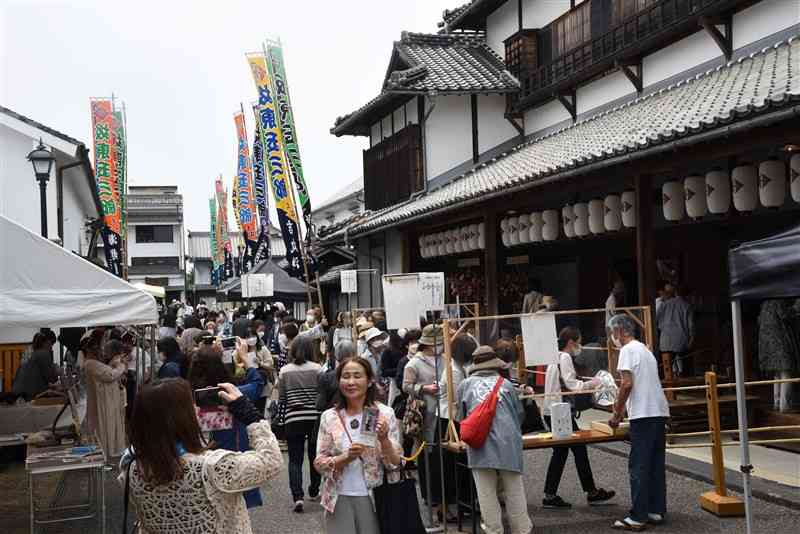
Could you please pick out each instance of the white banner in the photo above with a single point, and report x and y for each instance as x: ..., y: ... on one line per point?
x: 349, y: 281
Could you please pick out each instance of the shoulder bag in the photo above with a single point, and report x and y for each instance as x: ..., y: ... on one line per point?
x: 476, y: 426
x: 413, y: 418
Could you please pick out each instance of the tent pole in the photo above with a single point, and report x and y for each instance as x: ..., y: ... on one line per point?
x: 738, y: 353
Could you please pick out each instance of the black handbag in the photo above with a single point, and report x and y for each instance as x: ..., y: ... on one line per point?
x: 397, y: 507
x: 533, y: 418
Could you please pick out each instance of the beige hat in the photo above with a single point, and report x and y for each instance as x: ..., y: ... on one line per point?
x: 373, y: 333
x: 431, y: 336
x: 363, y: 328
x: 485, y: 359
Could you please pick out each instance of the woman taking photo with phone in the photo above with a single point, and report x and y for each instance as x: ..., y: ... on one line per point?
x: 179, y: 486
x: 350, y: 469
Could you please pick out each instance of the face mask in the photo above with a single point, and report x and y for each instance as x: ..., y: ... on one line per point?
x: 616, y: 342
x: 310, y: 319
x: 283, y: 340
x: 577, y: 350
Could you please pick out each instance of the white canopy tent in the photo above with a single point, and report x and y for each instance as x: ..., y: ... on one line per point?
x: 42, y: 284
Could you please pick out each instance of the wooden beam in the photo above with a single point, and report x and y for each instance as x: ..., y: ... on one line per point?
x: 473, y: 103
x: 490, y: 266
x: 519, y: 15
x: 724, y: 41
x: 569, y: 100
x: 634, y: 77
x: 645, y: 237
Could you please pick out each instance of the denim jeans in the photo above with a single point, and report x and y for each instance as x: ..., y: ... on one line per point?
x: 646, y: 465
x: 301, y: 436
x: 559, y: 459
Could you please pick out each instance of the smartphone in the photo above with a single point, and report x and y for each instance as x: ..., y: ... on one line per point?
x: 206, y: 339
x: 207, y: 397
x: 228, y: 343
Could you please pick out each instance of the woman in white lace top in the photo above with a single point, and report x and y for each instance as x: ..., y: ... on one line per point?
x: 177, y: 486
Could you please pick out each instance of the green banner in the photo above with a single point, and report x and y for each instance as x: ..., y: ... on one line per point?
x: 212, y: 234
x: 280, y: 88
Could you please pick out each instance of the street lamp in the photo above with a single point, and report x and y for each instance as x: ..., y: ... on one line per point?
x: 42, y: 161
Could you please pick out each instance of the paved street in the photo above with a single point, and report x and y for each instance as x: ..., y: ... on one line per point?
x: 610, y: 472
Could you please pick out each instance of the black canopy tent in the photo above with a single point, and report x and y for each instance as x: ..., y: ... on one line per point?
x: 766, y: 268
x: 286, y: 288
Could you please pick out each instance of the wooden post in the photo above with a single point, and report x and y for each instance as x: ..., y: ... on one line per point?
x: 717, y: 502
x: 452, y: 434
x: 490, y: 266
x: 669, y: 379
x: 645, y: 237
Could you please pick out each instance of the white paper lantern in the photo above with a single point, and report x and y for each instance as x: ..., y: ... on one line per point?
x: 596, y: 225
x: 524, y: 224
x: 505, y: 234
x: 482, y: 236
x: 464, y: 233
x: 794, y: 177
x: 441, y: 246
x: 473, y: 236
x: 718, y: 191
x: 694, y: 189
x: 628, y: 209
x: 458, y: 243
x: 673, y: 203
x: 772, y: 183
x: 430, y: 246
x: 744, y: 183
x: 450, y: 244
x: 424, y: 250
x: 536, y: 226
x: 550, y: 227
x: 612, y: 213
x: 581, y: 224
x: 568, y: 221
x: 513, y: 231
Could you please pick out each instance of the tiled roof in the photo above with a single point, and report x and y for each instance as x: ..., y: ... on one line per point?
x: 40, y: 126
x: 450, y: 63
x: 471, y: 15
x: 333, y: 275
x: 354, y: 187
x: 753, y: 84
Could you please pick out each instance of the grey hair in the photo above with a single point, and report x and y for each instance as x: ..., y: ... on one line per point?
x: 624, y: 323
x: 344, y: 349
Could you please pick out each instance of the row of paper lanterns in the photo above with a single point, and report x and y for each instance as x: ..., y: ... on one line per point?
x: 461, y: 239
x: 577, y: 220
x: 748, y: 185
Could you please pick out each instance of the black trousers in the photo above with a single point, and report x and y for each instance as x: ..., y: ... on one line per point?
x: 559, y: 460
x: 302, y: 437
x: 447, y: 469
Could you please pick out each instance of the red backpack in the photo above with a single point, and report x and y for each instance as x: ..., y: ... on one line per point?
x: 476, y: 426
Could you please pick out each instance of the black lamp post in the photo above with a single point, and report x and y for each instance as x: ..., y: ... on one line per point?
x: 42, y: 161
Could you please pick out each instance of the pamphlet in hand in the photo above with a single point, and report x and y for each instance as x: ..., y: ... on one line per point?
x: 368, y: 431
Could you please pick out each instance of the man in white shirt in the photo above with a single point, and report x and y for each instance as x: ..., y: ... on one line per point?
x: 641, y: 394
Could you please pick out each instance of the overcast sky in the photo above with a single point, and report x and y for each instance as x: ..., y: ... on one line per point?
x: 181, y: 71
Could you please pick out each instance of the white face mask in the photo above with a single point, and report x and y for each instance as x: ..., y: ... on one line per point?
x: 310, y: 319
x: 616, y: 341
x: 260, y: 334
x: 283, y: 340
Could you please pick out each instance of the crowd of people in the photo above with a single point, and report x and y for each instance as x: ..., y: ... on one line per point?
x: 307, y: 384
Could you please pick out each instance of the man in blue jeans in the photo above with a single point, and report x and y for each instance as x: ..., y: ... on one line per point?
x: 641, y: 394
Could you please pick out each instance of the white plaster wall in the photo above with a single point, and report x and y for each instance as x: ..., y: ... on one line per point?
x: 764, y: 19
x: 540, y: 13
x: 678, y: 57
x: 394, y: 251
x: 448, y: 137
x: 603, y: 91
x: 75, y: 212
x: 399, y: 119
x: 544, y: 116
x: 493, y: 128
x: 154, y: 250
x: 19, y: 190
x: 375, y: 134
x: 387, y: 126
x: 501, y: 25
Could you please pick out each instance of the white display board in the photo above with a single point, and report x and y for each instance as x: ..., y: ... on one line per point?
x: 349, y: 281
x: 539, y: 338
x: 407, y: 297
x: 257, y: 285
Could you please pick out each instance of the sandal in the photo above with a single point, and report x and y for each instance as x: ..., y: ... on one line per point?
x: 629, y: 525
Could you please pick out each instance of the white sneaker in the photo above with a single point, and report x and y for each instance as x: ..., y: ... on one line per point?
x: 655, y: 519
x: 298, y: 506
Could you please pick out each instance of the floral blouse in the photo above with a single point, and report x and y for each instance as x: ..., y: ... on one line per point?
x: 329, y: 440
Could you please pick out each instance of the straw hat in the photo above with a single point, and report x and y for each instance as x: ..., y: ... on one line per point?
x: 485, y: 359
x: 431, y: 336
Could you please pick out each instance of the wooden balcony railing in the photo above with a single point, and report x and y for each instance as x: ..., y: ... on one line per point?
x: 650, y: 27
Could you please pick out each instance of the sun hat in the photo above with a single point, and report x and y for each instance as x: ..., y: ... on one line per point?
x: 485, y: 359
x: 373, y: 333
x: 431, y: 336
x: 364, y: 328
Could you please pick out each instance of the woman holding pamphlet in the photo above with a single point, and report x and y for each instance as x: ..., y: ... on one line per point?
x: 358, y: 439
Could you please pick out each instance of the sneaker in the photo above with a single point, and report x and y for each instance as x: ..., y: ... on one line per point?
x: 599, y: 497
x: 555, y: 502
x: 629, y: 525
x: 313, y: 496
x: 298, y: 506
x: 655, y: 519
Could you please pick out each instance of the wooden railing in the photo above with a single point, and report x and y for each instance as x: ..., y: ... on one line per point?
x: 649, y: 27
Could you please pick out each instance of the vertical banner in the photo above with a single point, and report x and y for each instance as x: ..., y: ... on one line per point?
x: 280, y: 88
x: 246, y: 196
x: 224, y: 235
x: 274, y: 155
x: 121, y: 150
x: 262, y: 251
x: 235, y: 202
x: 105, y: 165
x: 212, y: 235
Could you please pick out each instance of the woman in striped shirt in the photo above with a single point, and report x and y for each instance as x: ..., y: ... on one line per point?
x: 297, y: 387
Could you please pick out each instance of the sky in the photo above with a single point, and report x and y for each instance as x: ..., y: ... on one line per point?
x: 180, y: 69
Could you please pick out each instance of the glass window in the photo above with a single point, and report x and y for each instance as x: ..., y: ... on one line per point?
x: 154, y: 233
